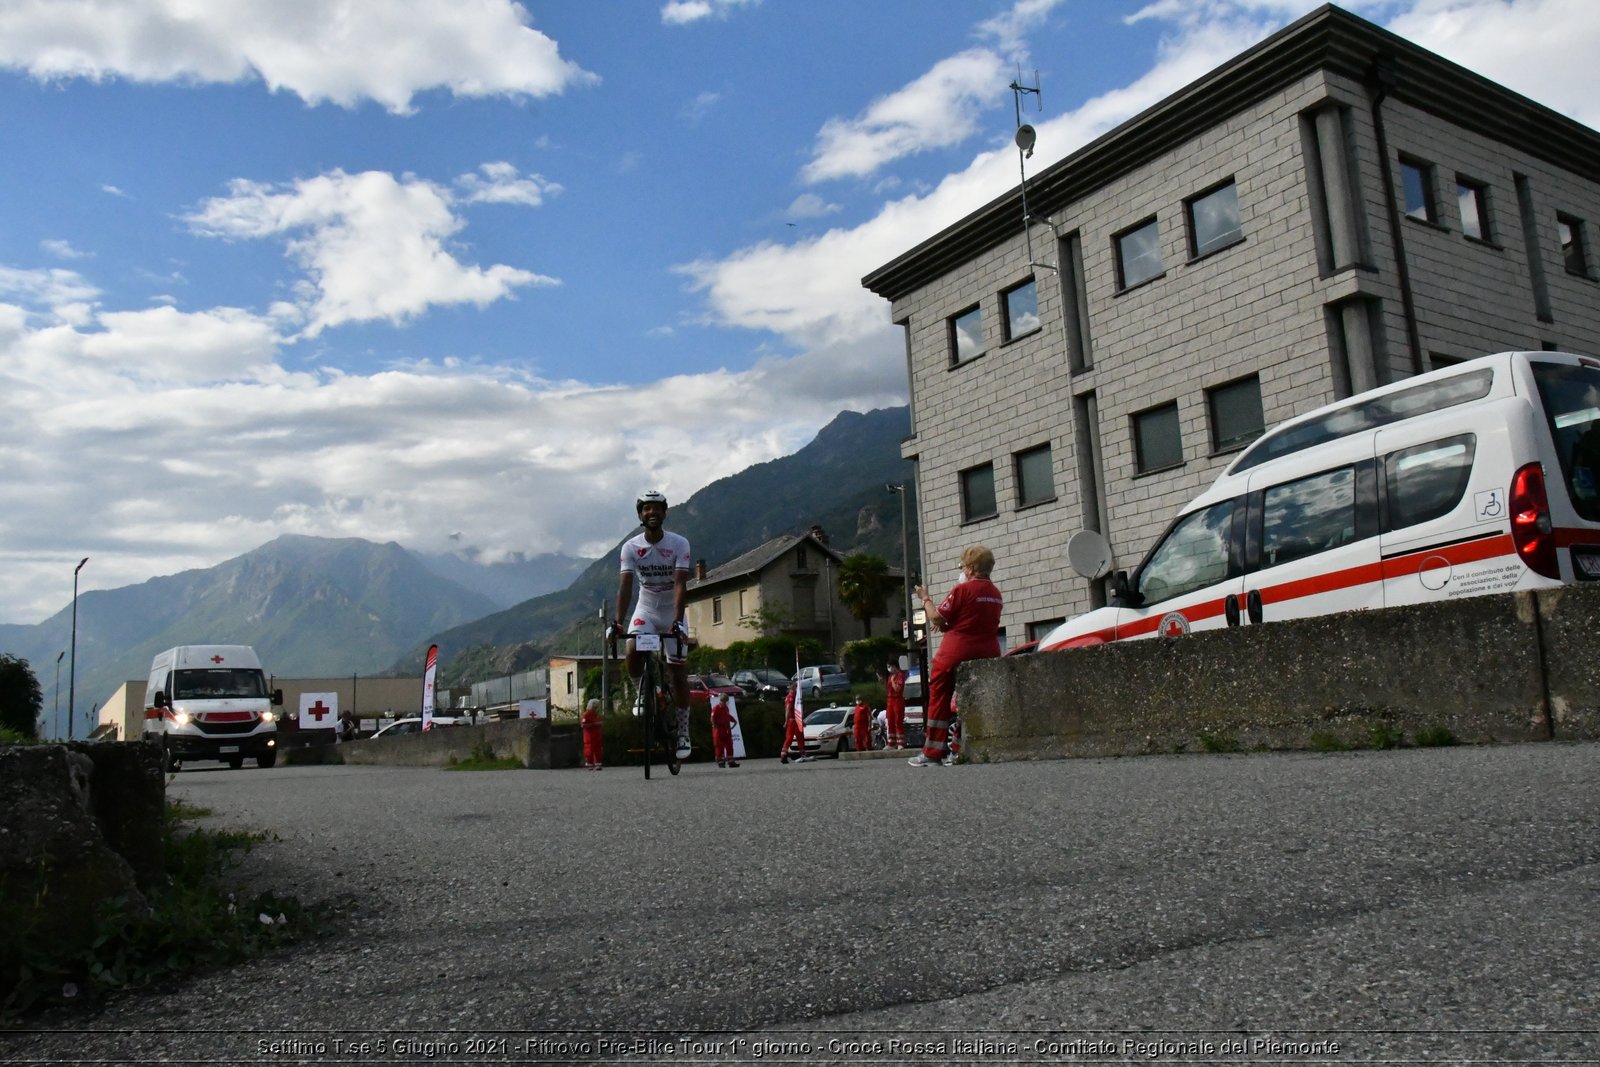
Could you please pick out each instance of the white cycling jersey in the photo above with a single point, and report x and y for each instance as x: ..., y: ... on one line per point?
x: 654, y: 568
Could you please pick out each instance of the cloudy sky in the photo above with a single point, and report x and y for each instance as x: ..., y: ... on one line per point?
x: 468, y: 274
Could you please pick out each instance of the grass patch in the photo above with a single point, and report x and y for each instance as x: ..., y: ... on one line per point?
x: 1381, y: 735
x: 484, y: 759
x: 1434, y: 737
x: 198, y: 920
x: 1210, y: 742
x: 1322, y: 741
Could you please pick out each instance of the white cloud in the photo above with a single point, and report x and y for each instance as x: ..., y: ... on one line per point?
x: 683, y: 12
x: 62, y: 249
x: 48, y: 289
x: 321, y: 51
x: 114, y: 191
x: 373, y: 245
x: 811, y: 206
x: 500, y: 183
x: 1009, y: 29
x: 939, y: 109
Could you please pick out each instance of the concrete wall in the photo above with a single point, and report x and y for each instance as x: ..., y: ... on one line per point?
x: 529, y: 741
x: 1517, y: 667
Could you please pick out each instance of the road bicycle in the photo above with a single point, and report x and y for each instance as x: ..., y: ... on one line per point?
x: 658, y: 719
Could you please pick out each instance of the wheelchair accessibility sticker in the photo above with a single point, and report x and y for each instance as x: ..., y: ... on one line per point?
x: 1490, y: 504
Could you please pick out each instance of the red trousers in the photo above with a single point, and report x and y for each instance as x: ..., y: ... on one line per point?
x: 722, y: 743
x: 897, y: 726
x: 593, y: 746
x: 795, y: 733
x: 936, y: 721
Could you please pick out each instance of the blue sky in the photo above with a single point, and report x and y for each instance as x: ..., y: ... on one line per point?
x: 469, y: 275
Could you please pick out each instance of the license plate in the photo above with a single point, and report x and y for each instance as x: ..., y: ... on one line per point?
x: 1586, y: 563
x: 227, y: 748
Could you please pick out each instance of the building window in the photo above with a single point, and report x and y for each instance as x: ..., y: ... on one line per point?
x: 966, y: 336
x: 800, y: 557
x: 1236, y: 417
x: 1039, y: 630
x: 977, y: 493
x: 1156, y: 441
x: 1417, y: 179
x: 1573, y: 254
x: 1035, y: 478
x: 1138, y: 254
x: 1021, y: 307
x: 1214, y: 220
x: 1473, y: 201
x: 716, y: 611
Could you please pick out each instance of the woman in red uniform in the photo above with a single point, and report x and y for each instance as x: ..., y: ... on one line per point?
x: 722, y: 731
x: 794, y: 728
x: 969, y: 618
x: 861, y: 726
x: 593, y: 737
x: 895, y: 707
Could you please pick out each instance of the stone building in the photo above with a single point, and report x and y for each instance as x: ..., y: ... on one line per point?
x: 1333, y: 209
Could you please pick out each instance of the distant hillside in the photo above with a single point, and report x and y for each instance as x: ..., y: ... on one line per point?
x: 509, y: 581
x: 836, y: 482
x: 311, y: 606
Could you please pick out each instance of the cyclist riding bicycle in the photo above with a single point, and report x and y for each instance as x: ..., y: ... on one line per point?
x: 660, y: 561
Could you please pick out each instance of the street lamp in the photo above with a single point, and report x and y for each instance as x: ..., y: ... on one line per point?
x: 55, y: 716
x: 72, y: 664
x: 905, y: 553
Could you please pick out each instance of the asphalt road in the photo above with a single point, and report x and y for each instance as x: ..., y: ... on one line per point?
x: 1439, y: 905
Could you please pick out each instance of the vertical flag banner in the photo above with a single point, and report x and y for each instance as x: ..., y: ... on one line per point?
x: 318, y: 711
x: 427, y: 686
x: 738, y: 734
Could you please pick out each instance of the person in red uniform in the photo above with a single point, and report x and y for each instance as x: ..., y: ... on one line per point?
x: 722, y: 732
x: 861, y: 726
x: 895, y: 710
x: 969, y: 618
x: 593, y: 738
x: 794, y: 725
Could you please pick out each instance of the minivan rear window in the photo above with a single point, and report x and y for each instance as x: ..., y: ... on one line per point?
x: 1382, y: 410
x: 1571, y: 396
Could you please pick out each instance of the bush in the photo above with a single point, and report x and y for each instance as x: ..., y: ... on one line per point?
x: 866, y: 658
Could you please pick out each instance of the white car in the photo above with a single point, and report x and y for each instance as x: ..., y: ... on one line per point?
x: 413, y: 725
x: 828, y: 730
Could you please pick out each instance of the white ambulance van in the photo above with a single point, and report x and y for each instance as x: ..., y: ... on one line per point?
x: 1479, y: 478
x: 211, y: 702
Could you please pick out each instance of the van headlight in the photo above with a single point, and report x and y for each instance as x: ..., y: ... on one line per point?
x: 181, y: 718
x: 267, y: 716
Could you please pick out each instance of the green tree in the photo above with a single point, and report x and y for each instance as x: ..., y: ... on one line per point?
x: 20, y: 699
x: 864, y: 585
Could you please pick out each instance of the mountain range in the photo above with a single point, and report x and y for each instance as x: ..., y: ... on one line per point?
x: 324, y: 607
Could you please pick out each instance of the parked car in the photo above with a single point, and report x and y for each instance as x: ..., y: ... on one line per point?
x: 762, y: 683
x: 1025, y: 649
x: 413, y: 725
x: 828, y: 730
x: 822, y: 679
x: 702, y: 687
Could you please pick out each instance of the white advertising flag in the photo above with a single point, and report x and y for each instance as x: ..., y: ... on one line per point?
x: 738, y: 734
x: 319, y: 711
x: 427, y: 686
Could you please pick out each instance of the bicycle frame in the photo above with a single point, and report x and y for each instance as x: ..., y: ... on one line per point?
x: 653, y: 682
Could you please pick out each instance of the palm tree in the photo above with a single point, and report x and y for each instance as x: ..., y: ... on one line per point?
x: 864, y: 584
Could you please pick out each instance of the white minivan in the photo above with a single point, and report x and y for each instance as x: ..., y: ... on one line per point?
x: 1479, y: 478
x: 211, y: 702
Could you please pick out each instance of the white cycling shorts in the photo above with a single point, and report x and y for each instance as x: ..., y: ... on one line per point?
x: 641, y: 622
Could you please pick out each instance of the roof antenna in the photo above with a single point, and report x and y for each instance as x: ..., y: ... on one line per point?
x: 1025, y: 138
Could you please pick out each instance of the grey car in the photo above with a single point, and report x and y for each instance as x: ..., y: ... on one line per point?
x: 822, y: 679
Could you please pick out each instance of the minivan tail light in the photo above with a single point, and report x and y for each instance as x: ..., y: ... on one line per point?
x: 1531, y: 529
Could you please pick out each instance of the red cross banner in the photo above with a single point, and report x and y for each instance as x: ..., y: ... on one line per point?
x: 319, y: 711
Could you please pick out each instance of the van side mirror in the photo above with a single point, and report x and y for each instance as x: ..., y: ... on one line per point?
x: 159, y: 700
x: 1123, y: 594
x: 277, y: 696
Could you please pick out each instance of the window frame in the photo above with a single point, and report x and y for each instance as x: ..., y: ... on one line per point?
x: 1140, y: 465
x: 1152, y: 223
x: 1236, y: 443
x: 1226, y: 240
x: 1480, y: 202
x: 1006, y: 317
x: 962, y: 476
x: 1024, y: 500
x: 955, y: 334
x: 1579, y: 244
x: 1430, y: 196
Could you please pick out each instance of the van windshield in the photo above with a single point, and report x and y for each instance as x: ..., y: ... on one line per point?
x: 215, y: 683
x: 1571, y: 398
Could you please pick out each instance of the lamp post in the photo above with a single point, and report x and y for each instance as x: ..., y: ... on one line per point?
x: 905, y: 553
x: 72, y: 664
x: 55, y: 716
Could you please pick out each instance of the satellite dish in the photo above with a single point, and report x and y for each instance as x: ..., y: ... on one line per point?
x: 1026, y: 136
x: 1089, y: 554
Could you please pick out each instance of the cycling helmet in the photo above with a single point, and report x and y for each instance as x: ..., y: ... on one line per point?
x: 649, y: 496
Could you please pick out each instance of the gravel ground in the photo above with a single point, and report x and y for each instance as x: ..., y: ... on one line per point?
x: 1439, y: 905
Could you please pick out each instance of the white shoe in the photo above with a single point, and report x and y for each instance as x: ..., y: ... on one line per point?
x: 919, y: 760
x: 683, y: 746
